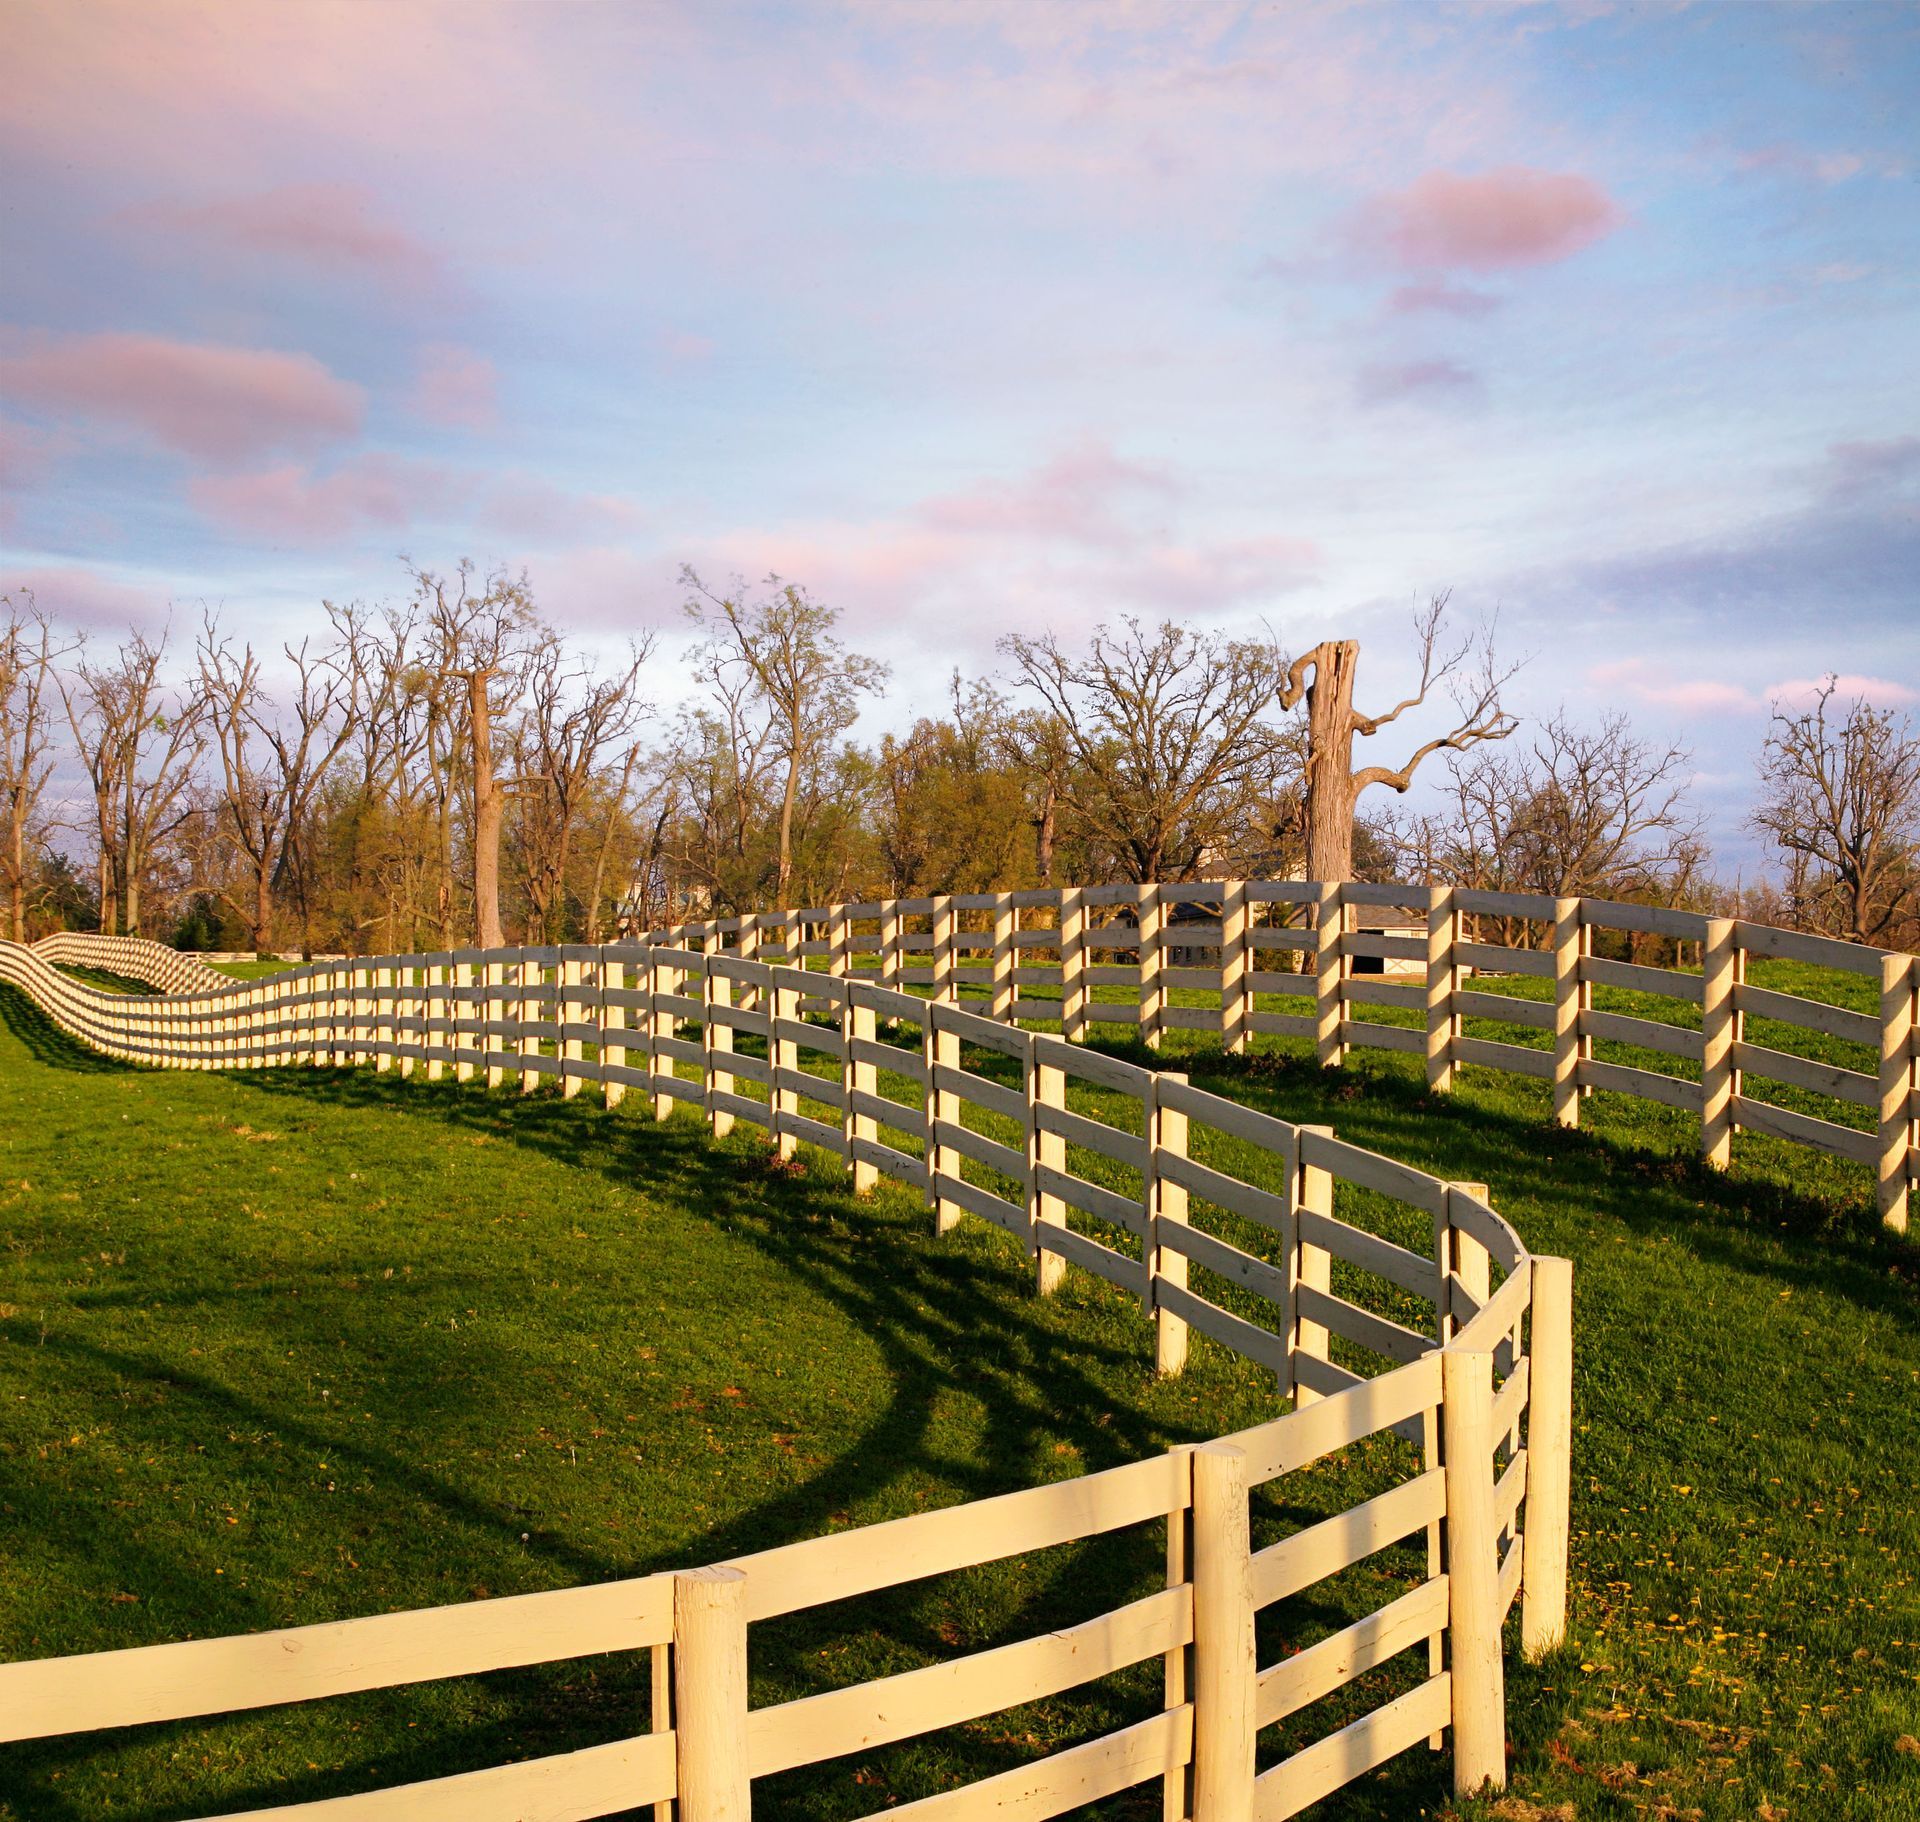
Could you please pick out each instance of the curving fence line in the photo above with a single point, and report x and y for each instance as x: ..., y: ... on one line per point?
x: 1722, y: 1044
x: 135, y: 958
x: 1217, y: 1217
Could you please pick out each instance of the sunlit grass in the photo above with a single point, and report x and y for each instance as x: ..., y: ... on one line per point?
x: 607, y: 1346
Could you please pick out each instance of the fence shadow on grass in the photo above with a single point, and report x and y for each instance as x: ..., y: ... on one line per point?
x: 46, y: 1043
x: 941, y: 1318
x: 927, y: 1309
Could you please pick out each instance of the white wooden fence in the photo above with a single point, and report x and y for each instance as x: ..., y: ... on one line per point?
x: 1142, y: 1181
x: 1044, y: 956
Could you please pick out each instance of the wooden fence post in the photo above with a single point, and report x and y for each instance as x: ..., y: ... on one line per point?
x: 860, y: 1077
x: 1717, y: 977
x: 568, y: 978
x: 941, y: 1050
x: 892, y: 964
x: 1443, y: 981
x: 1473, y: 1572
x: 1543, y: 1544
x: 527, y: 1005
x: 494, y: 1009
x: 1150, y: 914
x: 662, y: 981
x: 1223, y: 1643
x: 1046, y: 1087
x: 1461, y: 1256
x: 1073, y: 964
x: 1001, y: 1004
x: 1569, y: 944
x: 1307, y: 1264
x: 710, y: 1695
x: 431, y: 1008
x: 1329, y: 919
x: 382, y: 1017
x: 1166, y: 1202
x: 783, y: 1058
x: 749, y: 946
x: 944, y: 988
x: 717, y: 1033
x: 461, y: 1010
x: 1176, y: 1803
x: 613, y: 1021
x: 1237, y: 960
x: 1899, y: 977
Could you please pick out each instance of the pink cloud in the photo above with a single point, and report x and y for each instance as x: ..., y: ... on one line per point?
x: 83, y: 598
x: 456, y: 388
x: 1448, y: 300
x: 1082, y: 536
x: 1387, y: 383
x: 683, y: 345
x: 217, y: 403
x: 292, y: 505
x: 1089, y: 495
x: 1692, y: 695
x: 332, y: 227
x: 1848, y: 687
x: 1514, y: 216
x: 1827, y: 168
x: 1212, y: 578
x: 525, y: 506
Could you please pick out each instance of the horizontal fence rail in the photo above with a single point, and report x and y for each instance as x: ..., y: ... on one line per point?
x: 895, y: 1038
x: 1705, y: 1041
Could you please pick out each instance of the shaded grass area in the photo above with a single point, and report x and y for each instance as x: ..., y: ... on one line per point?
x: 105, y: 979
x: 608, y: 1346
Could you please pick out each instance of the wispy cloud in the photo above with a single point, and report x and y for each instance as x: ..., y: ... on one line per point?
x: 86, y: 598
x: 1433, y: 381
x: 1437, y: 296
x: 331, y: 229
x: 456, y: 388
x: 221, y: 404
x: 1848, y: 687
x: 288, y: 504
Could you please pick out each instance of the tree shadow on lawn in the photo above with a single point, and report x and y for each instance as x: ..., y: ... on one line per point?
x: 1570, y: 1190
x: 929, y: 1306
x: 945, y: 1318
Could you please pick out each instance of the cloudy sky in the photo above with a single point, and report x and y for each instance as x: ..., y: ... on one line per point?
x: 986, y: 316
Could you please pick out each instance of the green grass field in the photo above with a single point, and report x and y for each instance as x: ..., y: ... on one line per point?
x: 303, y: 1345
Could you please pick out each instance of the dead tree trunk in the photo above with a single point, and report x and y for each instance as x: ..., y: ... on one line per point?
x: 1331, y: 792
x: 486, y: 816
x: 1325, y: 677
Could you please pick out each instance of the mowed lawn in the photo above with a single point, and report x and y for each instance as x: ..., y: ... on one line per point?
x: 305, y: 1345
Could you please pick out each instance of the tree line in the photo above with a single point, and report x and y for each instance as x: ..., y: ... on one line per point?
x: 452, y: 768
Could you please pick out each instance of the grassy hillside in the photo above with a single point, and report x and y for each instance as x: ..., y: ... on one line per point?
x: 304, y: 1345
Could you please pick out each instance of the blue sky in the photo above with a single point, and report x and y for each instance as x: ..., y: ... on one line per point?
x: 983, y: 317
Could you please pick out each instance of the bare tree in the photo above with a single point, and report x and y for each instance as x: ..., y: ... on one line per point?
x: 480, y: 629
x: 1166, y: 734
x: 1578, y: 811
x: 271, y: 764
x: 138, y: 743
x: 1841, y: 801
x: 27, y: 657
x: 572, y: 723
x: 787, y: 688
x: 1325, y: 677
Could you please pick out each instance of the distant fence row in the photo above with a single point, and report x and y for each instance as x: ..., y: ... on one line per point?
x: 1218, y: 1218
x: 1235, y: 957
